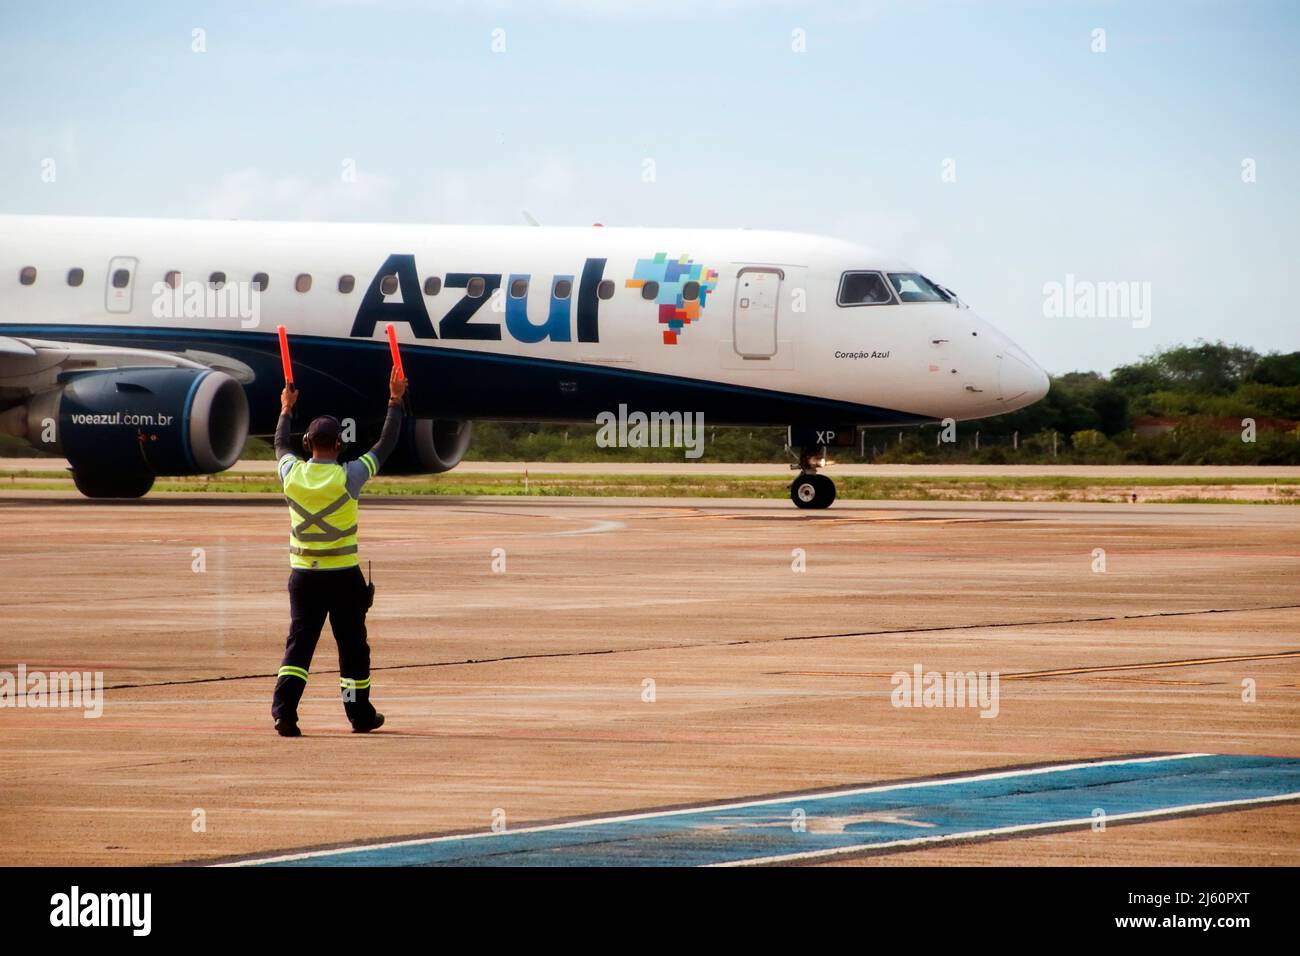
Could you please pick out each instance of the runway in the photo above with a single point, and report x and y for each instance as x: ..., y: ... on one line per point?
x: 635, y: 655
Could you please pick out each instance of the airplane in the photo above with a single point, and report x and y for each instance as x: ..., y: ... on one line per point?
x: 144, y: 347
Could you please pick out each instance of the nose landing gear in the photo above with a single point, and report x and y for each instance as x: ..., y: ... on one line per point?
x: 809, y: 489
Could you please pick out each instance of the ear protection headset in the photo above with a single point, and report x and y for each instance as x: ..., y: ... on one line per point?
x: 306, y: 444
x: 333, y: 426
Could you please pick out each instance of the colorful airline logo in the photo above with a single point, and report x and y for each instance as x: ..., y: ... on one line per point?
x: 673, y: 277
x: 396, y: 294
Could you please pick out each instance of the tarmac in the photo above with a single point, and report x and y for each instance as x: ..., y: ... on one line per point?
x: 567, y: 665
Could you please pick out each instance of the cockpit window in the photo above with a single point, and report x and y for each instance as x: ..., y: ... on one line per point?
x: 864, y: 288
x: 914, y: 287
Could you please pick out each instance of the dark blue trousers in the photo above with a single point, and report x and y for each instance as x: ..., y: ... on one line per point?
x: 342, y: 596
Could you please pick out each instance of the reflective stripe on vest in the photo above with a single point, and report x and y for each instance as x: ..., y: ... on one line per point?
x: 323, y: 516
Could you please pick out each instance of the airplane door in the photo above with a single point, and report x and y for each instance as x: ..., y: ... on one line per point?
x: 758, y: 295
x: 120, y: 282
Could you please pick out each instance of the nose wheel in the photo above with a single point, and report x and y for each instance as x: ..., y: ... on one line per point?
x: 811, y: 490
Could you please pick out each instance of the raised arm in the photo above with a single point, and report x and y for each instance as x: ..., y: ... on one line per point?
x: 392, y: 421
x: 283, y: 426
x: 374, y: 459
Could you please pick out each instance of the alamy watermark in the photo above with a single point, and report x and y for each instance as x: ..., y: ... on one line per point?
x: 41, y: 689
x: 133, y: 911
x: 1085, y: 299
x: 921, y: 688
x: 208, y: 300
x: 654, y: 430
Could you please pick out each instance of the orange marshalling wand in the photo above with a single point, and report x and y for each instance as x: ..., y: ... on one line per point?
x: 392, y: 347
x: 284, y: 355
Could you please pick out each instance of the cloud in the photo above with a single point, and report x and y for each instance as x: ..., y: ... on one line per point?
x: 251, y: 193
x: 913, y: 242
x: 839, y: 10
x: 552, y: 191
x: 551, y: 188
x: 33, y: 145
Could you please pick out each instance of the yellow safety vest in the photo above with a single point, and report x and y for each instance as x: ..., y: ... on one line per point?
x: 322, y: 515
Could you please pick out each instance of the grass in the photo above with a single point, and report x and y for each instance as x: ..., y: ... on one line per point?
x: 954, y: 488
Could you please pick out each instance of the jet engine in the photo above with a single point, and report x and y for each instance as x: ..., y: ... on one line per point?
x: 119, y: 428
x: 429, y: 446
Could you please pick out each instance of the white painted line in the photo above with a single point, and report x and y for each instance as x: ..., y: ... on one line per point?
x: 600, y: 527
x: 704, y: 808
x: 867, y: 848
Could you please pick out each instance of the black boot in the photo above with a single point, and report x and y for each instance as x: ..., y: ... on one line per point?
x: 361, y: 713
x: 374, y: 724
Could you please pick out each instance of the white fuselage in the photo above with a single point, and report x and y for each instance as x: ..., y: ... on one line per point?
x: 765, y: 321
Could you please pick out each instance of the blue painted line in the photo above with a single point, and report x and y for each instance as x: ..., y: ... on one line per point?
x: 876, y: 818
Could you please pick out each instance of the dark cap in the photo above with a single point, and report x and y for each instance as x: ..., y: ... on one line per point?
x: 324, y: 430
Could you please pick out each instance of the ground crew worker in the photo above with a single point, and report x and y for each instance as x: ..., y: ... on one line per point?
x: 326, y: 579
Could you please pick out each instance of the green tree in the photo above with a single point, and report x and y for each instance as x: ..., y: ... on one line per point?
x: 1278, y: 369
x: 1208, y: 368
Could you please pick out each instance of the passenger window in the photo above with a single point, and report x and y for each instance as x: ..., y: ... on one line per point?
x: 172, y: 279
x: 606, y: 289
x: 476, y: 286
x: 388, y: 284
x: 75, y: 276
x: 217, y: 280
x: 864, y: 288
x: 518, y: 288
x: 121, y: 278
x: 691, y: 291
x: 260, y: 281
x: 563, y: 289
x: 650, y: 290
x: 27, y: 275
x: 347, y: 284
x: 432, y: 285
x: 303, y: 282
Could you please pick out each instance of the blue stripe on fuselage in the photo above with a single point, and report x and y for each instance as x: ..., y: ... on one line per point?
x: 341, y: 376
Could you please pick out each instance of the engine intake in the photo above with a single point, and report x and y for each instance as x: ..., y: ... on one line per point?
x: 429, y: 446
x: 147, y: 421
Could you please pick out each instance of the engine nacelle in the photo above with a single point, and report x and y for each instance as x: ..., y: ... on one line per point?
x: 140, y: 421
x: 429, y: 446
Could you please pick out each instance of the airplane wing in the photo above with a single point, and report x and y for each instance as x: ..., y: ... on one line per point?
x: 123, y: 415
x: 29, y: 366
x: 9, y: 346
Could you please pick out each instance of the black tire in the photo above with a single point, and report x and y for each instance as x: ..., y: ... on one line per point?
x: 812, y: 491
x: 804, y: 492
x: 825, y: 491
x: 112, y: 484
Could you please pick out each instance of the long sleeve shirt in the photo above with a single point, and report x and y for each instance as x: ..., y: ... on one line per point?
x: 358, y: 471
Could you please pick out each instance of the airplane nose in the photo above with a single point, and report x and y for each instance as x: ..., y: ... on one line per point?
x: 1021, y: 381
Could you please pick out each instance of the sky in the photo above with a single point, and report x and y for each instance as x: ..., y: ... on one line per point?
x: 999, y: 147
